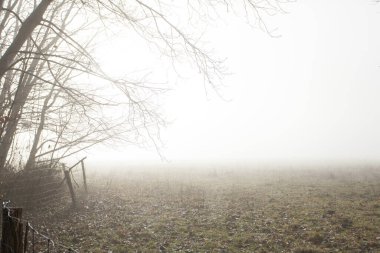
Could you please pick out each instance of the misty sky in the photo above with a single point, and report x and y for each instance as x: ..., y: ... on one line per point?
x: 310, y: 95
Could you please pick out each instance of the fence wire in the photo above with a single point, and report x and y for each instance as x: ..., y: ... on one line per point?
x: 42, y: 186
x: 34, y: 188
x: 33, y: 240
x: 39, y: 189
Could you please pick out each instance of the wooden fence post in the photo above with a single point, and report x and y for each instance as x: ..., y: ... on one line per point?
x: 84, y: 176
x: 12, y: 232
x: 70, y: 185
x: 26, y: 237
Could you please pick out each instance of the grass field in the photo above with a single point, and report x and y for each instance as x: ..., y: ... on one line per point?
x: 226, y: 210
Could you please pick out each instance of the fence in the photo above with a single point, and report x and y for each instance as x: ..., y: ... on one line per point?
x: 19, y: 236
x: 40, y: 187
x: 44, y: 185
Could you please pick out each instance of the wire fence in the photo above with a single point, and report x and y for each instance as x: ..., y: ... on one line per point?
x: 34, y: 188
x: 26, y: 238
x: 78, y: 177
x: 44, y: 186
x: 40, y: 188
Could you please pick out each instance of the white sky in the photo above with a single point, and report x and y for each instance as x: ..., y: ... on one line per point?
x: 311, y: 95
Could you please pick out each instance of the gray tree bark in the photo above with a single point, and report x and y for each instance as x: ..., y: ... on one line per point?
x: 23, y: 34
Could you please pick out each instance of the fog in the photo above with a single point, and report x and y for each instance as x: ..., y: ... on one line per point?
x: 307, y: 95
x: 190, y: 126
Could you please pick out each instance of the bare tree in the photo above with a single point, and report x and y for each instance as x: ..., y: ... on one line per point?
x: 45, y: 47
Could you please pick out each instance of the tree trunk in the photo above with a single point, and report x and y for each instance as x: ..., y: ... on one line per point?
x: 5, y: 89
x: 32, y: 155
x: 22, y: 94
x: 10, y: 130
x: 23, y: 34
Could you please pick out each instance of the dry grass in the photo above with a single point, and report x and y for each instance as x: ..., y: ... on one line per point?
x: 225, y: 211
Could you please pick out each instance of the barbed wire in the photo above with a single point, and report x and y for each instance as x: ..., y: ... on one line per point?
x: 38, y: 187
x: 51, y: 245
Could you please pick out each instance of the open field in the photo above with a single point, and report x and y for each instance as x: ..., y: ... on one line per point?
x: 227, y: 210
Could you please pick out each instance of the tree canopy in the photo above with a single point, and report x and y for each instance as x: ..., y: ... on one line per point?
x: 50, y: 106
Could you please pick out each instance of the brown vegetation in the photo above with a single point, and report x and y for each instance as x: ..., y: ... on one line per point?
x: 224, y: 211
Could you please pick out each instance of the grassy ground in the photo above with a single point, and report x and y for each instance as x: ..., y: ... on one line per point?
x: 224, y: 211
